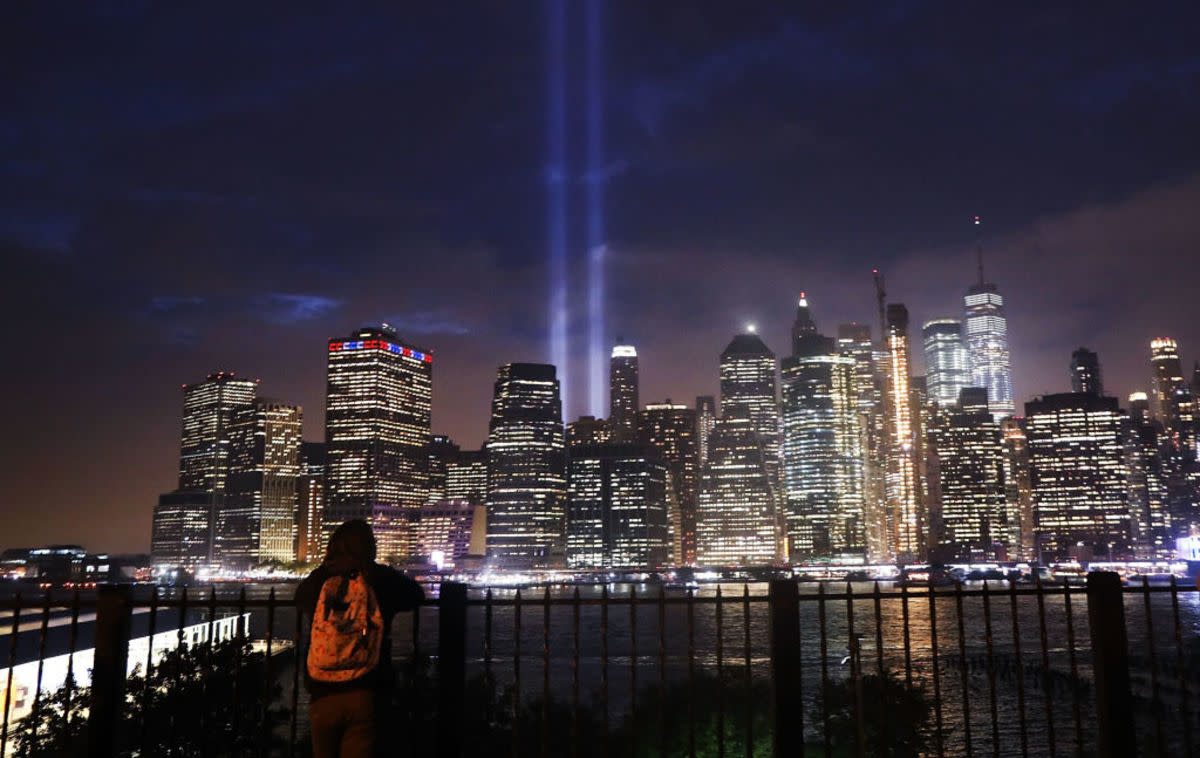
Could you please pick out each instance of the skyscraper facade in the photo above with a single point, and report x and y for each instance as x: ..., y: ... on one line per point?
x: 906, y: 514
x: 970, y: 473
x: 670, y: 429
x: 748, y: 390
x: 822, y: 447
x: 1085, y: 372
x: 256, y: 522
x: 208, y: 411
x: 1078, y: 474
x: 617, y: 508
x: 623, y: 393
x: 946, y: 368
x: 310, y: 502
x: 706, y: 419
x: 854, y: 341
x: 466, y: 477
x: 377, y: 428
x: 180, y: 536
x: 527, y: 487
x: 1146, y: 481
x: 1018, y: 489
x: 737, y: 523
x: 1171, y: 399
x: 985, y: 332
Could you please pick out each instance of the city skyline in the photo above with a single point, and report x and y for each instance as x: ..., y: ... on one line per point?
x: 173, y: 212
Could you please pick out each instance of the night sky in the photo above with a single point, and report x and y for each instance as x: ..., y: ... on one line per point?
x: 202, y: 186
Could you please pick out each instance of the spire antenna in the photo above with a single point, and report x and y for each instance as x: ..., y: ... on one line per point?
x: 979, y: 251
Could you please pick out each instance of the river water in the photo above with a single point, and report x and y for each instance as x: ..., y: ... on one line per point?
x: 623, y: 656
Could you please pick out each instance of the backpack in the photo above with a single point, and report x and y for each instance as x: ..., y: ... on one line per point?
x: 347, y: 630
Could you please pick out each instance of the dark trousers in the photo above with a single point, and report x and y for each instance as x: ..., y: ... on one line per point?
x: 344, y: 724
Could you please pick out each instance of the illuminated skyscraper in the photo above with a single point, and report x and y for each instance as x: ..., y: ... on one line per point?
x: 737, y: 523
x: 181, y: 536
x: 946, y: 369
x: 256, y: 522
x: 1146, y: 481
x: 803, y: 326
x: 706, y: 418
x: 1078, y: 474
x: 623, y: 393
x: 588, y: 430
x: 1018, y: 490
x: 970, y: 474
x: 906, y: 516
x: 617, y: 508
x: 854, y: 341
x: 985, y: 332
x: 822, y: 447
x: 377, y: 427
x: 1171, y: 399
x: 1085, y: 372
x: 310, y: 502
x: 671, y: 431
x: 748, y: 391
x: 466, y: 477
x: 527, y: 487
x: 440, y: 451
x: 208, y: 411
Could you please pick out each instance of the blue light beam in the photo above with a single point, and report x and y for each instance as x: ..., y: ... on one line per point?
x: 556, y: 189
x: 597, y: 249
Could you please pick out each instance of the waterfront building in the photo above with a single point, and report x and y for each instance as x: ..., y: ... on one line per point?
x: 180, y: 536
x: 903, y: 487
x: 310, y: 503
x: 747, y: 373
x: 706, y: 419
x: 985, y: 332
x: 527, y: 487
x: 670, y: 429
x: 946, y: 369
x: 623, y: 393
x: 588, y: 430
x: 448, y: 530
x: 1085, y: 372
x: 617, y: 509
x: 208, y: 410
x: 377, y: 429
x: 966, y: 445
x: 256, y: 521
x: 737, y: 523
x: 440, y: 450
x: 1078, y: 475
x: 822, y: 447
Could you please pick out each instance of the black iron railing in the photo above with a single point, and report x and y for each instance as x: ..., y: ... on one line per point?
x: 778, y: 669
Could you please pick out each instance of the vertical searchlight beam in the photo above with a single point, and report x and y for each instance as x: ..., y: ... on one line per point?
x: 597, y: 250
x: 556, y: 188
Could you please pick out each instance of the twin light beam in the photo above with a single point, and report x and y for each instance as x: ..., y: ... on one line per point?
x: 557, y: 180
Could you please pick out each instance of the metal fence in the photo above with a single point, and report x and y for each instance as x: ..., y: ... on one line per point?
x: 779, y: 668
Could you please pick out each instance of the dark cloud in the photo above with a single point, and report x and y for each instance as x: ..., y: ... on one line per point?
x: 191, y: 187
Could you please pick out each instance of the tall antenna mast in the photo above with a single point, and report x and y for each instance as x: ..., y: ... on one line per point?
x: 979, y: 251
x: 881, y: 297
